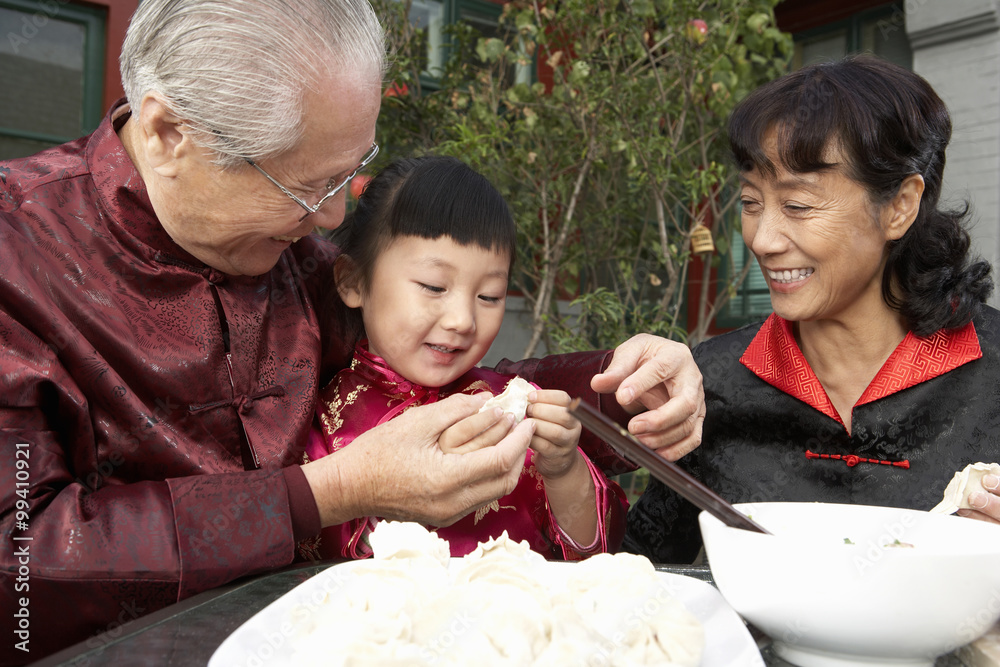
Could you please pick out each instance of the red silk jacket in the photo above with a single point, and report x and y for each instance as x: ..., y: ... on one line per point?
x: 152, y: 408
x: 370, y: 393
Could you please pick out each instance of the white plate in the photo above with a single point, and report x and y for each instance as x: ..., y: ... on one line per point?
x: 266, y: 640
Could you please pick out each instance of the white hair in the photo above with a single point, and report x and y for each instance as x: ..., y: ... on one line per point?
x: 236, y: 71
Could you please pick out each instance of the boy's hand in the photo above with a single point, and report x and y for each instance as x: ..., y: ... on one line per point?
x: 557, y: 432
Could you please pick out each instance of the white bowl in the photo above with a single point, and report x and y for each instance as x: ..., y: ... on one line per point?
x: 826, y: 602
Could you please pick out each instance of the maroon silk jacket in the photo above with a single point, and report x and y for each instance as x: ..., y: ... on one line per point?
x: 152, y: 408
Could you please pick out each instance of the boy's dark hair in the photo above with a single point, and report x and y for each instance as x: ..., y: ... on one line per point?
x: 428, y: 197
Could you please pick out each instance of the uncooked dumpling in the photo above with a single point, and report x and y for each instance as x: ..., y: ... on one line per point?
x: 404, y: 539
x: 963, y: 484
x: 502, y: 605
x: 514, y: 398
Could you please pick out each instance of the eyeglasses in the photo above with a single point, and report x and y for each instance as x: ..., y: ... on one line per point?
x: 330, y: 191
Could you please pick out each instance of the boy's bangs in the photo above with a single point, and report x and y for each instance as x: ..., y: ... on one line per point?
x: 467, y: 208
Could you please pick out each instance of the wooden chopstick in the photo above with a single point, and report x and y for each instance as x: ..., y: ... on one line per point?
x: 669, y: 473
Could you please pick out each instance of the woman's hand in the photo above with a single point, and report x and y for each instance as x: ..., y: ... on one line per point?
x: 660, y: 376
x: 986, y: 503
x: 557, y: 433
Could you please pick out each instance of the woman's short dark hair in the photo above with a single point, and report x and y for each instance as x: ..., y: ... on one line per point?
x: 890, y: 124
x: 429, y: 197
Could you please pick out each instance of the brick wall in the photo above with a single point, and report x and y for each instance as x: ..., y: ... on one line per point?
x: 956, y: 47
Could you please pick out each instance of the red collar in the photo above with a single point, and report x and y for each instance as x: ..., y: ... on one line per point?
x: 775, y: 357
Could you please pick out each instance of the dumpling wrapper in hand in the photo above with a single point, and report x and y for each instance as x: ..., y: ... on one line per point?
x: 964, y: 484
x: 514, y: 399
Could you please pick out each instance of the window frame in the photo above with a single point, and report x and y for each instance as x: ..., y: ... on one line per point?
x: 94, y: 21
x: 852, y: 25
x: 453, y: 11
x: 726, y: 318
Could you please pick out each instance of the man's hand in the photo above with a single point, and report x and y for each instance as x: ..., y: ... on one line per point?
x: 660, y: 376
x: 482, y: 429
x: 398, y: 470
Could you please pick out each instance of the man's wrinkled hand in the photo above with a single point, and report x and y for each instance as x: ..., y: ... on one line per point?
x: 398, y: 470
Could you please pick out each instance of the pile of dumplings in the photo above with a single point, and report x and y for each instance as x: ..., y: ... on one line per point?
x: 502, y: 604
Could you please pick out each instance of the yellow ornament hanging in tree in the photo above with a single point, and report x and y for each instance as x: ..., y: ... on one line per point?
x: 701, y: 239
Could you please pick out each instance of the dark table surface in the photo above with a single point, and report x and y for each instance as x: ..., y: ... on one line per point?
x: 189, y: 632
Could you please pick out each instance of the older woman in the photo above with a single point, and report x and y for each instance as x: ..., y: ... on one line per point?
x: 878, y: 374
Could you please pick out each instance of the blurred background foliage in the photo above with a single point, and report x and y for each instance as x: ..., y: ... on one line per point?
x: 603, y: 124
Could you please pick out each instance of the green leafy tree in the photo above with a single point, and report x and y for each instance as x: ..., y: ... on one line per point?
x: 611, y: 161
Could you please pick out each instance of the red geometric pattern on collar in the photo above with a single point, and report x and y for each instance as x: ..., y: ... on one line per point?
x: 919, y: 359
x: 775, y: 357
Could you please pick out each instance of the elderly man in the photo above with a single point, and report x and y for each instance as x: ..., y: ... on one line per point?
x: 162, y: 352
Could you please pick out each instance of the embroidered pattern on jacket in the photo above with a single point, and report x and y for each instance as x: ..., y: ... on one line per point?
x: 775, y: 357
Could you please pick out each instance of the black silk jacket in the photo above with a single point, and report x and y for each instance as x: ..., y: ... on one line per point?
x: 936, y: 410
